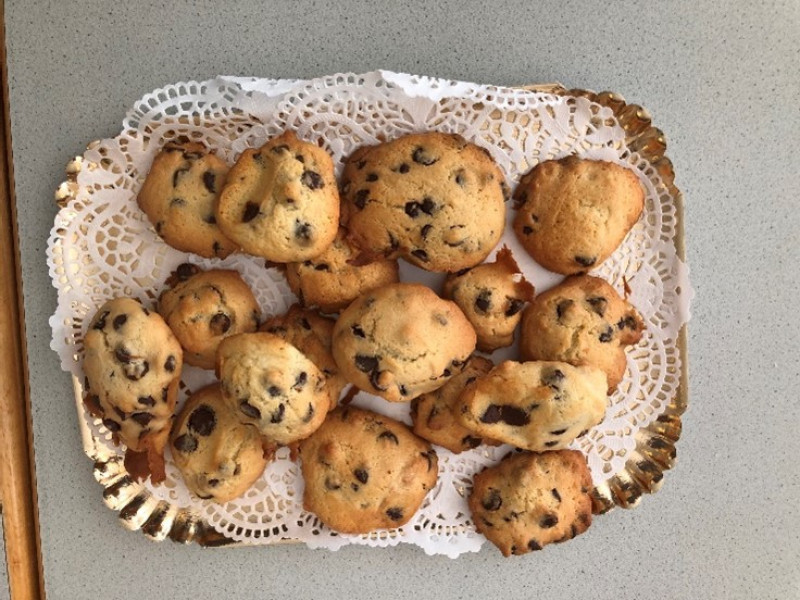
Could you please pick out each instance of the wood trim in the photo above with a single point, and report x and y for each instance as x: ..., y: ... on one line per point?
x: 17, y: 480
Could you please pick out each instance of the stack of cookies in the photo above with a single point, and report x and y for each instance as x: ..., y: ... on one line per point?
x: 438, y: 202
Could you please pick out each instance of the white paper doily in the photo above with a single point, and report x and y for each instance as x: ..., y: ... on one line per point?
x: 102, y: 246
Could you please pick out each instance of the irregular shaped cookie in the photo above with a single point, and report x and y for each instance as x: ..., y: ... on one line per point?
x: 133, y: 365
x: 433, y: 416
x: 573, y: 213
x: 582, y: 321
x: 530, y: 500
x: 281, y: 201
x: 401, y: 341
x: 492, y: 296
x: 331, y: 282
x: 204, y: 307
x: 218, y: 456
x: 432, y: 198
x: 271, y: 384
x: 312, y: 334
x: 535, y: 405
x: 364, y: 471
x: 179, y: 196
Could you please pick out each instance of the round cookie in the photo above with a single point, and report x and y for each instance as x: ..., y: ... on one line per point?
x: 535, y: 405
x: 492, y: 296
x: 433, y: 416
x: 331, y: 281
x: 573, y: 213
x: 401, y: 341
x: 218, y: 456
x: 529, y: 500
x: 281, y: 201
x: 179, y: 196
x: 581, y: 321
x: 432, y: 198
x: 364, y: 471
x: 204, y: 307
x: 132, y: 364
x: 312, y: 334
x: 271, y: 384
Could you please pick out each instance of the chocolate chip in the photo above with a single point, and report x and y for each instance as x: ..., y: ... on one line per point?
x: 395, y: 513
x: 585, y: 518
x: 388, y: 435
x: 628, y: 322
x: 142, y: 418
x: 598, y: 304
x: 330, y: 485
x: 607, y: 335
x: 355, y: 487
x: 505, y: 413
x: 375, y: 380
x: 306, y: 325
x: 403, y: 390
x: 470, y: 441
x: 280, y: 149
x: 300, y: 158
x: 251, y: 210
x: 213, y: 483
x: 119, y: 321
x: 506, y: 191
x: 145, y: 311
x: 428, y: 206
x: 534, y: 545
x: 210, y: 219
x: 493, y: 501
x: 357, y: 331
x: 185, y: 443
x: 583, y: 433
x: 274, y: 391
x: 412, y: 209
x: 551, y: 444
x: 277, y: 415
x: 361, y: 198
x: 558, y: 432
x: 527, y: 230
x: 101, y: 321
x: 422, y: 157
x: 250, y: 410
x: 586, y: 261
x: 120, y: 413
x: 179, y: 173
x: 302, y: 231
x: 446, y: 373
x: 237, y: 470
x: 514, y: 306
x: 556, y: 495
x: 111, y: 425
x: 134, y: 368
x: 403, y: 168
x: 430, y: 455
x: 460, y: 178
x: 483, y: 302
x: 562, y: 307
x: 258, y: 158
x: 420, y: 254
x: 372, y: 177
x: 220, y: 323
x: 309, y: 413
x: 202, y: 420
x: 169, y: 364
x: 425, y: 231
x: 553, y: 379
x: 300, y: 382
x: 186, y: 270
x: 312, y: 180
x: 362, y: 475
x: 210, y: 180
x: 165, y: 395
x: 177, y: 202
x: 366, y: 364
x: 361, y: 164
x: 159, y: 226
x: 146, y: 400
x: 322, y: 267
x: 549, y: 520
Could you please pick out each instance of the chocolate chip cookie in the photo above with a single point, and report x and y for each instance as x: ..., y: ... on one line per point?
x: 281, y: 201
x: 133, y: 365
x: 204, y: 307
x: 573, y: 213
x: 582, y: 321
x: 432, y: 198
x: 364, y: 471
x: 530, y: 500
x: 492, y: 296
x: 179, y: 196
x: 401, y: 341
x: 535, y: 405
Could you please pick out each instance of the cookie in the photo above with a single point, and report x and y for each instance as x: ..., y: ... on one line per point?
x: 132, y: 364
x: 573, y: 213
x: 271, y: 384
x: 433, y: 416
x: 530, y: 500
x: 432, y: 198
x: 535, y: 405
x: 492, y: 297
x: 204, y: 307
x: 218, y: 456
x: 401, y: 341
x: 179, y: 197
x: 281, y: 201
x: 331, y: 281
x: 364, y: 471
x: 312, y: 334
x: 582, y: 321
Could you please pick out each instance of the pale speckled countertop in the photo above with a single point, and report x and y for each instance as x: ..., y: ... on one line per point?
x: 720, y: 78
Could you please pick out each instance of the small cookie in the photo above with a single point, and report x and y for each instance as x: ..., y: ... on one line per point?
x: 218, y: 456
x: 271, y: 384
x: 535, y: 405
x: 331, y: 282
x: 364, y: 471
x: 204, y: 307
x: 530, y: 500
x: 492, y: 296
x: 401, y: 341
x: 432, y: 198
x: 312, y: 334
x: 573, y: 213
x: 281, y: 201
x: 179, y: 196
x: 432, y: 413
x: 133, y: 365
x: 582, y: 321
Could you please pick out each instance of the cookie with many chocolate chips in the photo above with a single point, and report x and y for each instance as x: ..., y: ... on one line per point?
x: 364, y: 471
x: 535, y: 405
x: 573, y: 213
x: 219, y: 457
x: 281, y: 201
x: 204, y: 307
x: 582, y: 321
x: 530, y: 500
x: 432, y: 198
x: 132, y: 364
x: 401, y: 341
x: 179, y: 197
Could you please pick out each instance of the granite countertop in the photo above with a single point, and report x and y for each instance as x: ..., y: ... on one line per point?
x: 720, y: 78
